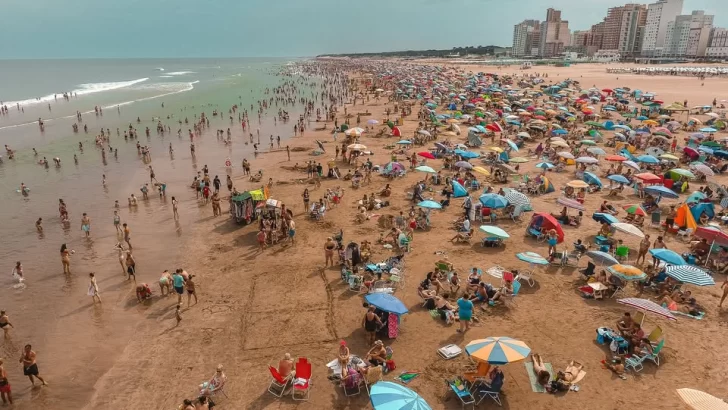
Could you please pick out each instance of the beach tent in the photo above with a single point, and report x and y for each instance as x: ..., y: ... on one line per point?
x: 546, y: 186
x: 703, y: 208
x: 685, y: 219
x: 544, y: 220
x: 457, y: 190
x: 396, y: 132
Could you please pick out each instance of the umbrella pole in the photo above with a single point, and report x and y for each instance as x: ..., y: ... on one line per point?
x: 710, y: 251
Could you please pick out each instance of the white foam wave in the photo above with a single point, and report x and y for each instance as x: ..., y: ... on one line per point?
x: 181, y: 72
x: 165, y: 76
x: 88, y: 88
x: 159, y: 69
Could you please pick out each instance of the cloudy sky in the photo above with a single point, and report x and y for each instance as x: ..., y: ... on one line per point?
x: 250, y: 28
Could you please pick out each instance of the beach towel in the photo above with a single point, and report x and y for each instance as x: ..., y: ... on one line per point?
x: 393, y: 326
x: 533, y: 378
x: 677, y: 312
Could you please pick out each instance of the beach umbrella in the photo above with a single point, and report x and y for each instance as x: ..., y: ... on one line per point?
x: 429, y: 205
x: 545, y: 165
x: 604, y: 218
x: 516, y: 198
x: 596, y: 151
x: 591, y: 178
x: 708, y: 129
x: 386, y: 302
x: 669, y: 157
x: 424, y: 132
x: 689, y: 274
x: 627, y: 272
x: 404, y: 142
x: 661, y: 191
x: 467, y: 154
x: 464, y: 164
x: 533, y: 258
x: 577, y: 184
x: 570, y: 203
x: 618, y: 178
x: 635, y: 209
x: 602, y: 258
x: 493, y: 201
x: 372, y: 122
x: 426, y: 169
x: 511, y: 144
x: 698, y: 400
x: 494, y: 232
x: 648, y: 159
x: 631, y: 164
x: 588, y: 142
x: 357, y: 147
x: 617, y: 158
x: 481, y: 171
x: 649, y: 306
x: 559, y: 131
x: 524, y: 135
x: 668, y: 256
x: 426, y: 154
x: 629, y: 228
x: 518, y: 160
x: 321, y: 145
x: 353, y: 132
x: 587, y: 160
x: 683, y: 172
x: 392, y: 396
x: 560, y: 143
x: 496, y: 149
x: 703, y: 169
x: 497, y: 350
x: 564, y: 154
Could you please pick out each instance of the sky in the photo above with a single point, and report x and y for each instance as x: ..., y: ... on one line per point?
x: 276, y: 28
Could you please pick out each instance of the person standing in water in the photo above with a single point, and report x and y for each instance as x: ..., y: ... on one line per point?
x: 130, y: 265
x: 93, y: 288
x: 39, y: 225
x: 174, y: 208
x: 30, y: 367
x: 5, y: 391
x: 127, y: 235
x: 86, y: 224
x: 117, y: 222
x: 5, y: 323
x: 66, y: 258
x: 18, y: 271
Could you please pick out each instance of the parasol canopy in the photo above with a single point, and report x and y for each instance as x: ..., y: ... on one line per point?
x: 497, y: 350
x: 649, y: 306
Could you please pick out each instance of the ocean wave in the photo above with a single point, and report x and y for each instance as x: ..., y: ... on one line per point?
x: 181, y: 72
x: 88, y: 88
x: 165, y: 76
x: 159, y: 69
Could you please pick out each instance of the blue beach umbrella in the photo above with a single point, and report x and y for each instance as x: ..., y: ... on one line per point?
x: 533, y: 258
x: 661, y: 190
x: 604, y: 217
x: 624, y: 127
x: 708, y: 129
x: 512, y: 144
x: 386, y: 302
x: 559, y: 132
x: 668, y: 256
x: 493, y: 201
x: 545, y: 165
x: 426, y: 169
x: 404, y: 142
x: 596, y: 151
x: 591, y: 178
x: 689, y: 274
x: 494, y: 232
x: 393, y: 396
x: 429, y: 205
x: 648, y: 159
x: 619, y: 179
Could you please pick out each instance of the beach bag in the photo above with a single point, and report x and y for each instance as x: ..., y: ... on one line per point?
x: 389, y: 365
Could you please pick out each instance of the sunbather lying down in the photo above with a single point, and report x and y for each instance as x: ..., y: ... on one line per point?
x: 564, y: 380
x: 543, y: 377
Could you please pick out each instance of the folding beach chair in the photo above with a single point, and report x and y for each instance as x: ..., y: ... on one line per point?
x: 655, y: 220
x: 279, y: 384
x: 373, y: 375
x: 527, y: 276
x: 302, y: 381
x: 655, y: 355
x: 493, y: 393
x: 462, y: 393
x: 352, y: 384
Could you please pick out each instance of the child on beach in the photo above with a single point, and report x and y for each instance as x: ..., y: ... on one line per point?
x: 178, y: 314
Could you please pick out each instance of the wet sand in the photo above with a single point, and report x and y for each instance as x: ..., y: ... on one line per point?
x: 255, y: 307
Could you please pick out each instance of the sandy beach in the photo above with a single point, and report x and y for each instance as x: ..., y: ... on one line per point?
x: 256, y: 306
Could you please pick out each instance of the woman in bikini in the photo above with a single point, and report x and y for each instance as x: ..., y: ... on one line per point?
x: 190, y: 286
x: 329, y: 248
x: 66, y: 258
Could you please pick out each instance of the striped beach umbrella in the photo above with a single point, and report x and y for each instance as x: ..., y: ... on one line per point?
x: 516, y: 198
x: 602, y: 258
x: 698, y: 400
x: 533, y: 258
x: 689, y: 274
x: 570, y: 203
x: 393, y: 396
x: 627, y: 272
x: 497, y: 350
x: 635, y: 209
x: 645, y: 305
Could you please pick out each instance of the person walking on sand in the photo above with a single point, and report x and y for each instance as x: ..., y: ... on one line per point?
x: 86, y: 224
x: 465, y: 312
x: 178, y: 282
x: 288, y: 151
x: 175, y: 214
x: 93, y: 288
x: 306, y: 197
x: 178, y: 314
x: 66, y: 258
x: 5, y: 323
x: 130, y: 266
x: 5, y: 391
x: 190, y: 287
x: 30, y: 367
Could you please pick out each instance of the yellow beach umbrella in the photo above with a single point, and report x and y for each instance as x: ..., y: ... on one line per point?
x: 453, y: 121
x: 577, y: 184
x: 669, y: 156
x: 496, y: 149
x: 448, y: 134
x: 518, y: 160
x: 650, y: 122
x: 482, y: 171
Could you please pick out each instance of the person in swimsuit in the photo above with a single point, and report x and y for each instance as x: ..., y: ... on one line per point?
x: 5, y: 323
x: 306, y: 199
x: 18, y: 271
x: 377, y: 355
x: 93, y: 288
x: 190, y: 287
x: 62, y: 210
x: 174, y: 208
x: 86, y: 224
x: 178, y: 282
x: 5, y: 391
x: 117, y: 222
x: 127, y: 235
x: 30, y: 367
x: 165, y: 282
x: 130, y: 266
x: 66, y: 258
x: 370, y: 323
x: 329, y: 248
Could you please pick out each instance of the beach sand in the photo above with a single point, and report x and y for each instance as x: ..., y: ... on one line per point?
x: 255, y: 307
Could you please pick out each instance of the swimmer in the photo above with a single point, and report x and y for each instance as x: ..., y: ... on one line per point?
x: 5, y: 323
x: 38, y: 225
x: 18, y: 271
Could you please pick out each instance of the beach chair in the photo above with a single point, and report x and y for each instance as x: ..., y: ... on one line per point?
x: 493, y: 393
x: 685, y: 234
x: 527, y: 276
x: 655, y: 335
x: 516, y: 289
x: 655, y: 355
x: 572, y: 259
x: 373, y: 375
x: 352, y: 384
x: 634, y: 362
x: 462, y: 393
x: 537, y: 233
x: 302, y: 381
x: 479, y: 373
x: 279, y: 384
x: 655, y: 220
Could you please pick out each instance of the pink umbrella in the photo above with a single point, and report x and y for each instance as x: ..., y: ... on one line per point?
x: 570, y: 203
x: 647, y: 306
x: 663, y: 129
x: 712, y: 235
x: 692, y: 153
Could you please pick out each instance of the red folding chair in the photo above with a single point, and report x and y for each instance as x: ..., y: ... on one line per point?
x: 303, y: 372
x: 278, y: 382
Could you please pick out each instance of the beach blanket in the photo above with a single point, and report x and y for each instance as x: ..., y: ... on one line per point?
x: 537, y: 388
x: 677, y: 312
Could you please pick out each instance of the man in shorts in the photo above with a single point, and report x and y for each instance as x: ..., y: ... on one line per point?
x: 670, y: 218
x: 30, y: 367
x: 178, y: 282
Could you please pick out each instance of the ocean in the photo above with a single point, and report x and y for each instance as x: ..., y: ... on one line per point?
x: 75, y: 339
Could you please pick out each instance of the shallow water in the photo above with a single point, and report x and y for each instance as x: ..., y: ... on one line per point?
x: 75, y: 339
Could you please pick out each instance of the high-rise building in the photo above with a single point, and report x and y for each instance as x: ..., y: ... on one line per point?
x: 631, y: 31
x: 688, y: 35
x: 554, y: 34
x: 718, y: 44
x: 659, y: 15
x: 526, y: 38
x: 596, y: 38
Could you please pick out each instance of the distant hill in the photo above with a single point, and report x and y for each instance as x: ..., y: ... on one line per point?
x: 451, y: 53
